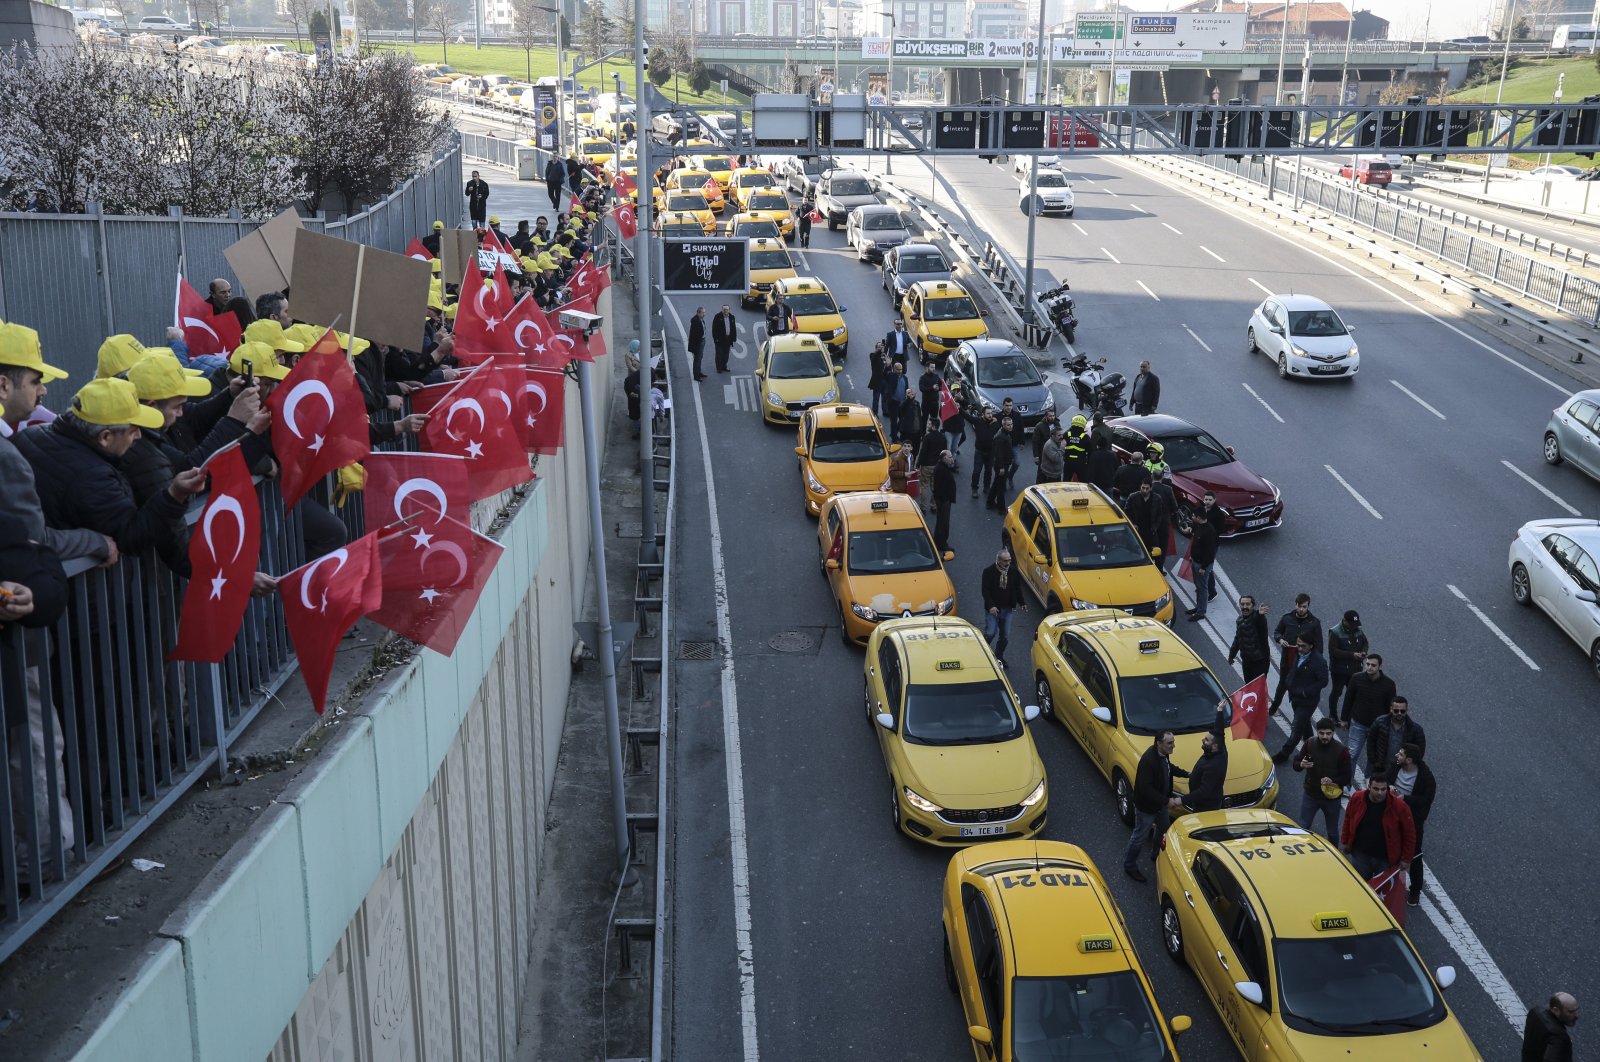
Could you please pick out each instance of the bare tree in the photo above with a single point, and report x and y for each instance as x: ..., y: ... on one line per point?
x: 441, y: 16
x: 530, y: 19
x: 298, y: 11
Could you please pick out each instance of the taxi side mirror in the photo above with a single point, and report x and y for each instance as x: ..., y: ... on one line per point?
x: 1249, y: 990
x: 980, y: 1034
x: 1445, y: 975
x: 1030, y: 713
x: 844, y: 309
x: 800, y: 450
x: 949, y: 554
x: 895, y: 448
x: 1180, y: 1024
x: 1102, y: 713
x: 831, y: 564
x: 837, y: 369
x: 1037, y: 558
x: 885, y: 720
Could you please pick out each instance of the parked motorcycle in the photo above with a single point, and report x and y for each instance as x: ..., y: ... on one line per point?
x: 1061, y: 310
x: 1108, y: 395
x: 1085, y: 378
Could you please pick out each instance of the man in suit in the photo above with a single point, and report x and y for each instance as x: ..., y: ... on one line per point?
x: 1146, y: 393
x: 697, y: 339
x: 724, y: 330
x: 898, y: 344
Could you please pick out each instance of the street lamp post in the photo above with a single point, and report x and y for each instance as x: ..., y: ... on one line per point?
x: 557, y: 21
x: 888, y: 100
x: 1283, y: 46
x: 1033, y: 179
x: 1506, y: 29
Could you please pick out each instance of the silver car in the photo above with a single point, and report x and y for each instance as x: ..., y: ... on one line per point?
x: 841, y: 191
x: 872, y: 230
x: 1553, y: 566
x: 1573, y: 433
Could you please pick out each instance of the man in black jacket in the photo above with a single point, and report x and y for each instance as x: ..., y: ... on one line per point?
x: 1414, y: 781
x: 1300, y: 620
x: 432, y: 239
x: 697, y: 339
x: 724, y: 332
x: 1347, y: 648
x: 1388, y: 734
x: 1306, y: 678
x: 898, y: 344
x: 1003, y: 460
x: 1101, y: 466
x: 1002, y: 594
x: 944, y: 496
x: 1203, y: 556
x: 1148, y: 515
x: 985, y: 426
x: 1209, y: 775
x: 780, y: 319
x: 555, y: 175
x: 1366, y: 699
x: 1125, y: 484
x: 1545, y: 1037
x: 1146, y: 392
x: 477, y: 193
x: 1153, y: 801
x: 1326, y: 764
x: 1250, y: 643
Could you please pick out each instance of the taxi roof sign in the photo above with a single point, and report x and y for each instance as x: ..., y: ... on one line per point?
x: 1149, y: 645
x: 880, y: 506
x: 1326, y: 921
x: 949, y: 665
x: 842, y: 411
x: 1080, y: 503
x: 1091, y: 945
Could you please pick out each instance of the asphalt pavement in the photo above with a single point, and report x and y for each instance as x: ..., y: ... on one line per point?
x: 804, y: 927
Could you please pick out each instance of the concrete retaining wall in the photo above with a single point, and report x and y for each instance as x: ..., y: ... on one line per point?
x: 40, y: 25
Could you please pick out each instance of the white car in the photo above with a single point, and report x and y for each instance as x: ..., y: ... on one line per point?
x: 161, y: 22
x: 1553, y: 566
x: 1556, y: 173
x: 1304, y: 338
x: 1054, y: 189
x: 1023, y: 163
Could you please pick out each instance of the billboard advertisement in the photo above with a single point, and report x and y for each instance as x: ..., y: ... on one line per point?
x: 877, y: 88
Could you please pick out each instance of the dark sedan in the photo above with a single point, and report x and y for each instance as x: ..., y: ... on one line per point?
x: 1200, y: 463
x: 909, y: 264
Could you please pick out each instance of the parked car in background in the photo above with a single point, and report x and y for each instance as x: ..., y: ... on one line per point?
x: 1368, y: 170
x: 1555, y: 173
x: 161, y: 23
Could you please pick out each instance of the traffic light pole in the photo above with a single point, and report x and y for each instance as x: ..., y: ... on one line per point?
x: 643, y: 219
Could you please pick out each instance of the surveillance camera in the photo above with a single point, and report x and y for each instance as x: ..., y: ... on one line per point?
x: 588, y: 323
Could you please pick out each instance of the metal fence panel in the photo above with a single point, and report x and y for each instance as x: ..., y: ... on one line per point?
x: 144, y: 272
x: 50, y: 271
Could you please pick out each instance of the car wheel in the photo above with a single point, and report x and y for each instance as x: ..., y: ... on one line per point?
x: 866, y: 703
x: 1172, y: 932
x: 833, y: 226
x: 1053, y: 606
x: 1124, y: 794
x: 1184, y: 519
x: 1594, y: 657
x: 1521, y: 592
x: 1250, y: 341
x: 1552, y: 449
x: 1047, y: 704
x: 1283, y: 366
x: 844, y: 632
x: 950, y: 968
x: 894, y: 802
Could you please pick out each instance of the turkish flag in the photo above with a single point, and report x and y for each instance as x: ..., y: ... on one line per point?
x: 411, y: 486
x: 205, y: 330
x: 424, y: 398
x: 434, y: 569
x: 1186, y: 566
x: 574, y: 205
x: 532, y: 332
x: 544, y: 395
x: 312, y: 440
x: 222, y: 554
x: 322, y: 600
x: 626, y: 215
x: 481, y: 312
x: 416, y: 249
x: 947, y: 403
x: 585, y: 283
x: 476, y: 421
x: 1250, y: 710
x: 624, y: 185
x: 712, y: 190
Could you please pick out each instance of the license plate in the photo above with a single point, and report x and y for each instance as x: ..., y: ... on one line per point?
x: 1327, y: 369
x: 982, y: 831
x: 1260, y: 521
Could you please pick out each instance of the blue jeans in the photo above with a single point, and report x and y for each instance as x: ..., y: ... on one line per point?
x: 997, y: 630
x: 1143, y: 822
x: 1331, y: 810
x: 1205, y: 584
x: 1358, y: 746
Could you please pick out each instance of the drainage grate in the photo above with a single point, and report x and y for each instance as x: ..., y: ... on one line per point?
x: 697, y: 650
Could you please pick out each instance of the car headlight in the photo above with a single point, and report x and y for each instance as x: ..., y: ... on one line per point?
x: 1355, y: 351
x: 828, y: 395
x: 870, y: 615
x: 834, y: 334
x: 1298, y: 352
x: 946, y: 606
x: 988, y: 406
x: 1277, y: 495
x: 1049, y: 400
x: 920, y: 802
x: 1161, y: 602
x: 1272, y: 779
x: 887, y: 484
x: 867, y: 241
x: 1076, y: 603
x: 816, y: 487
x: 1034, y: 797
x: 774, y: 399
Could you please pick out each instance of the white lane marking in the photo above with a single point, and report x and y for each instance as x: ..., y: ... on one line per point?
x: 1413, y: 396
x: 1140, y: 209
x: 1266, y: 407
x: 1111, y: 256
x: 1110, y: 192
x: 1540, y: 487
x: 1212, y: 253
x: 1080, y: 228
x: 1197, y: 339
x: 1354, y: 493
x: 739, y: 852
x: 1166, y: 226
x: 1147, y: 290
x: 1496, y: 631
x: 1260, y: 285
x: 740, y: 393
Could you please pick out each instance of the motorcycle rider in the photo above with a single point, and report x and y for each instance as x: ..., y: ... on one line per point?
x: 1155, y: 459
x: 1075, y: 448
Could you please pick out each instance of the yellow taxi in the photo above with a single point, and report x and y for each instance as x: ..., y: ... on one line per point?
x: 750, y: 227
x: 720, y: 167
x: 438, y: 73
x: 880, y: 562
x: 1299, y: 956
x: 814, y: 311
x: 673, y: 223
x: 793, y: 373
x: 841, y: 449
x: 1075, y: 549
x: 1115, y: 681
x: 1037, y: 950
x: 580, y: 110
x: 769, y: 263
x: 954, y: 737
x: 597, y: 150
x: 939, y: 314
x: 690, y: 203
x: 772, y: 205
x: 746, y: 180
x: 697, y: 181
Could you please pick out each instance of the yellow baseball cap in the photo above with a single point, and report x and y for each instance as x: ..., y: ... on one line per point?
x: 158, y: 376
x: 494, y: 219
x: 344, y: 341
x: 563, y: 250
x: 118, y: 354
x: 19, y: 346
x: 259, y: 359
x: 436, y: 265
x: 546, y: 262
x: 112, y: 401
x: 271, y: 333
x: 437, y: 225
x: 304, y: 334
x: 450, y: 311
x: 168, y: 352
x: 435, y: 299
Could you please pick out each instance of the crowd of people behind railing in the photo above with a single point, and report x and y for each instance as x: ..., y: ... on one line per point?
x: 110, y: 472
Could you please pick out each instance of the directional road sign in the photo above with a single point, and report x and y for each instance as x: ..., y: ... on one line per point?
x: 1176, y: 32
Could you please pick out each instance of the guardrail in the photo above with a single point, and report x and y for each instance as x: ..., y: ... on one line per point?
x: 662, y: 603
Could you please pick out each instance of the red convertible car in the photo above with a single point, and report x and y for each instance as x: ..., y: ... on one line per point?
x: 1200, y: 463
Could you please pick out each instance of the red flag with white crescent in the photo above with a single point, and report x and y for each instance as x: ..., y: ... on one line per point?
x: 204, y: 330
x: 532, y: 334
x: 417, y: 249
x: 624, y: 185
x: 413, y: 486
x: 477, y: 420
x: 434, y: 570
x: 544, y: 396
x: 322, y: 600
x: 626, y: 216
x: 481, y: 313
x: 319, y: 419
x: 1250, y: 710
x: 222, y: 558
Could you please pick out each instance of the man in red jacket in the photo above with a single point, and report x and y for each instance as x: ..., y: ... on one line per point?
x: 1378, y: 832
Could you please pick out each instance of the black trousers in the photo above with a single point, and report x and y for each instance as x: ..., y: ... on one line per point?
x: 1254, y: 668
x: 981, y: 467
x: 941, y: 522
x: 1336, y: 684
x: 555, y: 194
x: 723, y: 350
x: 695, y: 352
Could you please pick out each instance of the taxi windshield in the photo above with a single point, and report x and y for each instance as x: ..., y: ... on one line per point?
x: 1341, y: 984
x: 958, y: 308
x: 803, y: 364
x: 716, y: 165
x: 1007, y: 370
x: 769, y: 201
x: 1099, y: 1018
x: 859, y: 443
x: 1315, y: 323
x: 683, y: 228
x: 1186, y: 453
x: 687, y: 202
x: 755, y: 180
x: 770, y: 260
x: 596, y: 147
x: 961, y: 713
x: 811, y: 303
x: 758, y: 227
x: 1099, y: 546
x: 921, y: 263
x: 901, y: 549
x: 1184, y: 702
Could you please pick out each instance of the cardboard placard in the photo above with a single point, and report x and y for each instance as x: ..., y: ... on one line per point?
x: 376, y: 295
x: 457, y: 247
x: 262, y: 259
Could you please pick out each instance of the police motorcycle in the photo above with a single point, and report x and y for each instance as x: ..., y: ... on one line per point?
x: 1108, y: 395
x: 1060, y: 308
x: 1085, y: 378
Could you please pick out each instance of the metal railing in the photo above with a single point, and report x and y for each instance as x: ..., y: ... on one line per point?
x: 1440, y: 238
x: 494, y: 150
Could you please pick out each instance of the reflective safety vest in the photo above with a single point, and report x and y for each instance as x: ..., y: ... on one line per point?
x: 1075, y: 444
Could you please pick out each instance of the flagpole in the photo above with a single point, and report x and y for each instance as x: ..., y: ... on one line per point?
x: 177, y: 298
